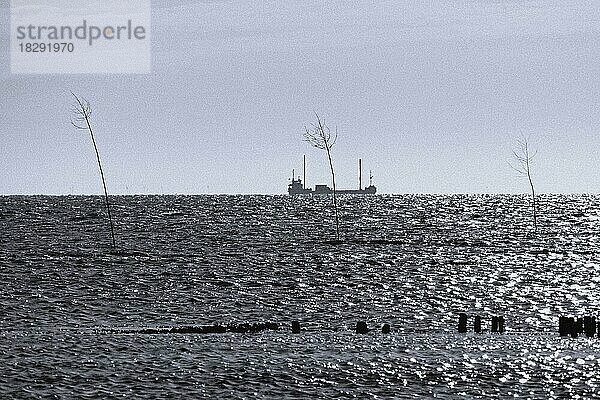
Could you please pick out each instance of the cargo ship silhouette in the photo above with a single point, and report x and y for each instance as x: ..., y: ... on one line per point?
x: 297, y: 187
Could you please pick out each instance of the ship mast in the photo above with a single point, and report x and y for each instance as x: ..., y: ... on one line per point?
x: 304, y: 175
x: 359, y: 174
x: 370, y: 178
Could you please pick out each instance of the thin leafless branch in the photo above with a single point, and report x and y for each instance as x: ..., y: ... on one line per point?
x: 80, y: 119
x: 320, y: 136
x: 523, y: 157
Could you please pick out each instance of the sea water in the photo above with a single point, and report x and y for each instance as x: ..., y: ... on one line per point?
x: 70, y: 305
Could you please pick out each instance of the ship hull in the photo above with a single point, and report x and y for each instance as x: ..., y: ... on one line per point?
x: 327, y: 191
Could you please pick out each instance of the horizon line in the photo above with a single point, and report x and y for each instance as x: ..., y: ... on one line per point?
x: 287, y: 195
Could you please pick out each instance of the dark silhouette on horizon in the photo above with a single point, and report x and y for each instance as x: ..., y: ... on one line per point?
x: 298, y: 187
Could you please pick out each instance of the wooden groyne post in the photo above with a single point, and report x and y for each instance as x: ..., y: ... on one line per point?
x: 462, y: 323
x: 295, y: 327
x: 589, y: 326
x: 361, y: 327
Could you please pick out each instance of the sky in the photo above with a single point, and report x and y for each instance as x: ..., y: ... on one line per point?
x: 432, y: 95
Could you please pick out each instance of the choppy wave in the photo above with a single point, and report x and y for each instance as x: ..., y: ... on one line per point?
x: 414, y: 262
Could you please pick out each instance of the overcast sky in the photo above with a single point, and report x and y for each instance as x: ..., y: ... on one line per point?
x: 430, y: 94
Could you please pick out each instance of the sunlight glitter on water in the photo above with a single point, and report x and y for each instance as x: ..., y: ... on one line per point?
x: 414, y: 262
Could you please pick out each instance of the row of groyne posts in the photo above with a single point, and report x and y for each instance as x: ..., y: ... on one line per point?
x: 361, y: 327
x: 571, y: 326
x: 567, y: 326
x: 497, y: 324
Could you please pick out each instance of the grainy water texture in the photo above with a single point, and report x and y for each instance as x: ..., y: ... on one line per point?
x: 414, y: 262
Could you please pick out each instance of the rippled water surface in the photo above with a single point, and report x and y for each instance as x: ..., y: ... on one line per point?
x: 414, y: 262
